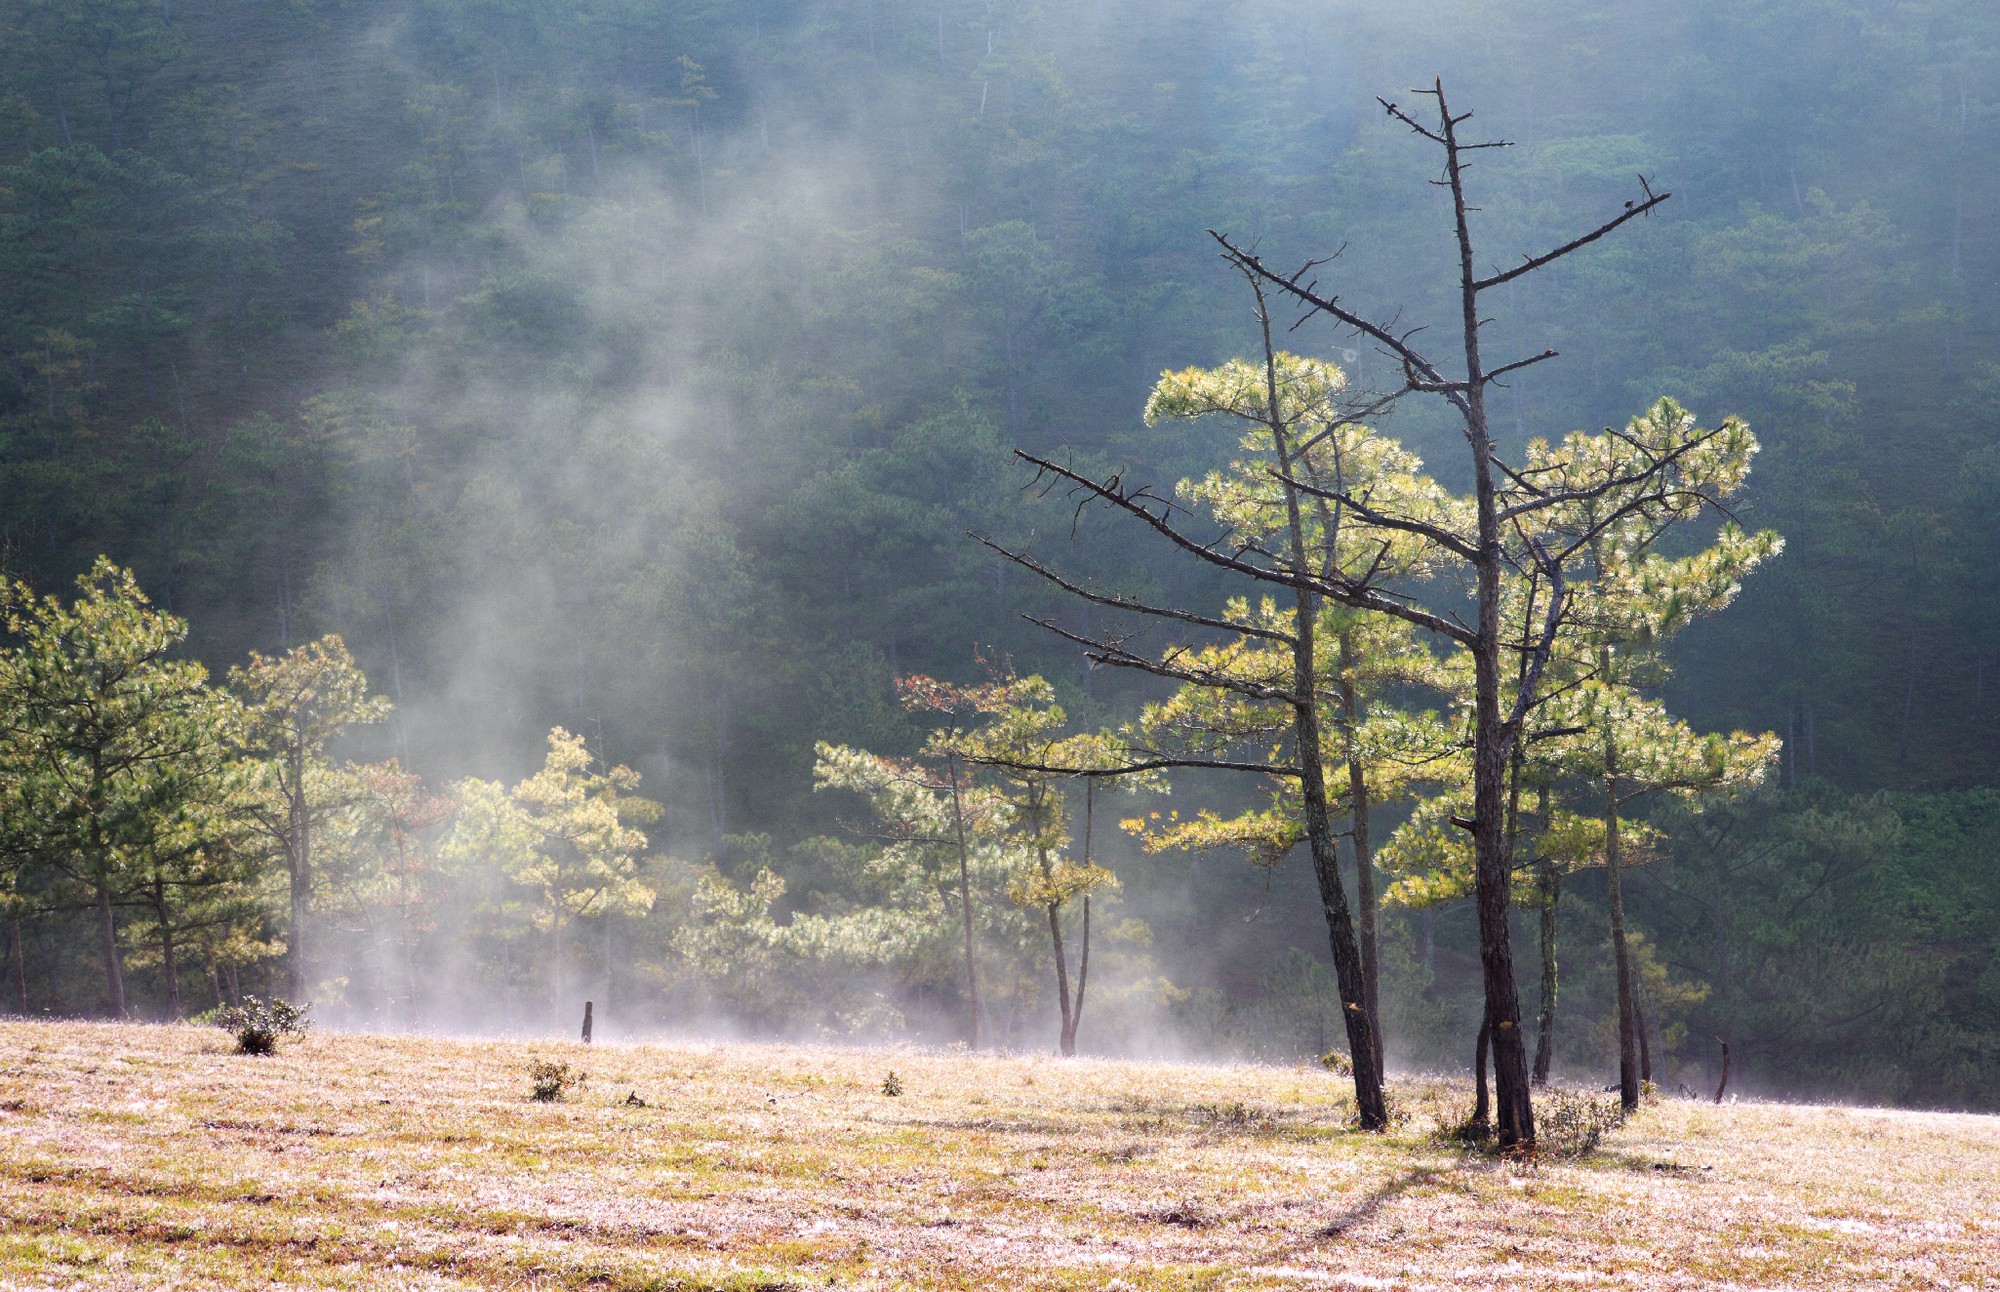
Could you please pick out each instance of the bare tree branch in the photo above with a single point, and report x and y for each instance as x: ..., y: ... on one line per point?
x: 1027, y: 562
x: 1530, y: 265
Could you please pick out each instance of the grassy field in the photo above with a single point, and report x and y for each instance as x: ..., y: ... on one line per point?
x: 153, y: 1157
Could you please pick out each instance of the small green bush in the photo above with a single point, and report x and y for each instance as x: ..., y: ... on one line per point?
x: 1568, y: 1124
x: 260, y: 1024
x: 552, y: 1081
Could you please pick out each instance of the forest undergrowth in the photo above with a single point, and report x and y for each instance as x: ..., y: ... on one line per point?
x: 154, y: 1156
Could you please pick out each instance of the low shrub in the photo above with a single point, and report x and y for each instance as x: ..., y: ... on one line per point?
x: 1568, y: 1124
x: 260, y: 1024
x: 552, y: 1081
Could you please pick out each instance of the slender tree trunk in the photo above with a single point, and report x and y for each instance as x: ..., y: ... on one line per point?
x: 1482, y: 1116
x: 1082, y: 977
x: 556, y: 964
x: 114, y: 972
x: 1492, y: 737
x: 168, y: 965
x: 171, y: 968
x: 1371, y: 1109
x: 1067, y: 1038
x: 1364, y: 853
x: 1628, y: 1062
x: 1067, y: 1041
x: 965, y: 904
x: 1083, y: 957
x: 1545, y: 1023
x: 1645, y: 1048
x: 298, y: 848
x: 18, y: 963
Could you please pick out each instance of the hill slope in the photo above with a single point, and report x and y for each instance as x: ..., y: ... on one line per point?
x: 148, y: 1157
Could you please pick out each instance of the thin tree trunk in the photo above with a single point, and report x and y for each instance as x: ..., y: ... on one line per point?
x: 1645, y: 1048
x: 556, y: 966
x: 18, y: 963
x: 1628, y: 1061
x: 965, y: 904
x: 1364, y: 853
x: 1492, y: 738
x: 171, y: 968
x: 298, y: 846
x: 1482, y: 1115
x: 1083, y: 959
x: 1082, y: 977
x: 168, y: 966
x: 1371, y: 1108
x: 114, y: 972
x: 1067, y: 1039
x: 1545, y: 1022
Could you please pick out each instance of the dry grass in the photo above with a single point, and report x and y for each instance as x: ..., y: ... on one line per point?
x: 151, y: 1157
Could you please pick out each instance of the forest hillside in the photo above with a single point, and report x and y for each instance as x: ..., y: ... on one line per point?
x: 519, y: 460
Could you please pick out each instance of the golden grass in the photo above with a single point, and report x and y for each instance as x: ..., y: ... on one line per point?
x: 152, y: 1157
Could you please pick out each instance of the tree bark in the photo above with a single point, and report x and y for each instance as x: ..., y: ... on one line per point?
x: 1082, y: 978
x: 1370, y: 1106
x: 171, y: 968
x: 965, y: 904
x: 1364, y: 853
x: 1493, y: 738
x: 1545, y: 1022
x: 1083, y: 958
x: 1482, y: 1117
x: 1628, y: 1062
x: 298, y: 849
x: 114, y: 972
x: 17, y: 962
x: 1067, y: 1040
x: 1645, y: 1048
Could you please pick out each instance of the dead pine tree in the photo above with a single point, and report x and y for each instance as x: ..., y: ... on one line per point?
x: 1535, y: 518
x: 1506, y: 500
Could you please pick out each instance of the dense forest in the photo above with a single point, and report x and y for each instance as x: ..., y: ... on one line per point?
x: 619, y: 382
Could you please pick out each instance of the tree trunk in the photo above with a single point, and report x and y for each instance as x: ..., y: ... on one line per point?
x: 1482, y: 1117
x: 1493, y: 739
x: 1067, y: 1041
x: 965, y: 904
x: 1545, y: 1023
x: 1371, y: 1109
x: 114, y: 972
x: 298, y: 849
x: 1628, y: 1062
x: 1364, y: 853
x: 556, y: 960
x: 18, y: 964
x: 1082, y: 973
x: 1067, y: 1037
x: 1645, y: 1049
x: 171, y: 968
x: 1083, y: 958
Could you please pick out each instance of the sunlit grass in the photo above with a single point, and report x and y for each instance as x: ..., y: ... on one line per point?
x: 143, y: 1157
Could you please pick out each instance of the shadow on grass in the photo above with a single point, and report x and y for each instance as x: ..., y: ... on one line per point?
x: 1368, y: 1207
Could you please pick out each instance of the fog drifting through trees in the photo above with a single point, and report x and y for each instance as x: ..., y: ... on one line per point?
x: 637, y: 371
